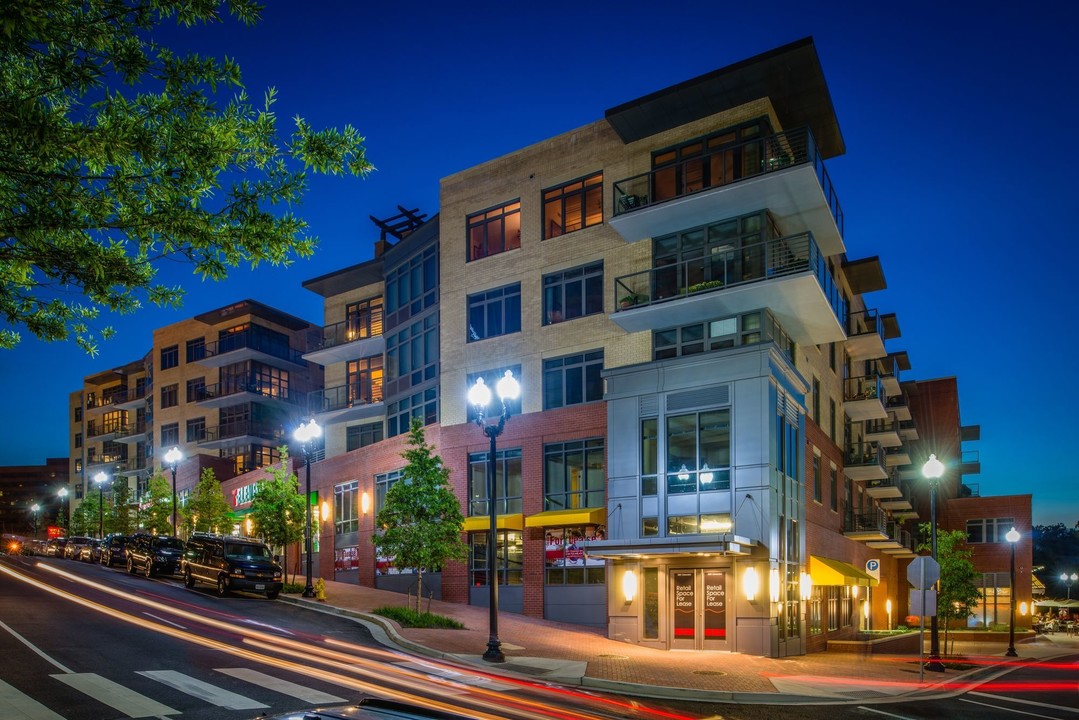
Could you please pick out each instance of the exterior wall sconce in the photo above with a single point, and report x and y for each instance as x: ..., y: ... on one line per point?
x: 1023, y: 609
x: 806, y: 586
x: 888, y: 609
x: 325, y: 510
x: 629, y: 585
x: 249, y: 526
x: 751, y: 583
x: 854, y: 591
x: 865, y: 611
x: 365, y: 503
x: 773, y: 584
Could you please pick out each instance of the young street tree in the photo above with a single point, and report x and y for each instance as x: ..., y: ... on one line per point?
x: 958, y: 593
x: 420, y: 522
x: 207, y: 510
x: 119, y: 516
x: 157, y: 514
x: 117, y: 154
x: 277, y: 510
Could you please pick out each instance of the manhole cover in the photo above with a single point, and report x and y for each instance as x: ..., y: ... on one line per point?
x: 709, y: 672
x: 614, y: 657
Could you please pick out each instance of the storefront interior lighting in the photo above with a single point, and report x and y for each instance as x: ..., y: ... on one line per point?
x: 248, y: 526
x: 773, y: 584
x: 750, y: 583
x: 629, y: 585
x: 683, y: 473
x: 706, y: 474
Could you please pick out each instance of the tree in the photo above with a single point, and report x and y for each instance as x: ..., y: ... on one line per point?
x: 84, y: 518
x: 117, y: 154
x: 157, y: 511
x: 118, y: 515
x: 420, y: 521
x: 207, y: 510
x: 277, y: 509
x: 957, y: 594
x: 1056, y: 549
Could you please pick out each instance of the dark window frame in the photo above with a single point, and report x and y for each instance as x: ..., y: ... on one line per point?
x: 170, y: 357
x: 573, y: 293
x: 170, y: 395
x: 493, y: 313
x: 482, y: 241
x: 586, y: 193
x: 577, y: 379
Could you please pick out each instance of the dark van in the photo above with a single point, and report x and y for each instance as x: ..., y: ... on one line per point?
x: 232, y: 563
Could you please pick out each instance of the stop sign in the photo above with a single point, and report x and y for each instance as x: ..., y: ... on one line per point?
x: 923, y: 572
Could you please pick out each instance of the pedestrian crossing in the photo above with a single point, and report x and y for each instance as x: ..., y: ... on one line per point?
x: 138, y: 703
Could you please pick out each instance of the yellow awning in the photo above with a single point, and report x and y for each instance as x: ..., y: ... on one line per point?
x: 576, y: 516
x: 825, y: 571
x: 480, y: 523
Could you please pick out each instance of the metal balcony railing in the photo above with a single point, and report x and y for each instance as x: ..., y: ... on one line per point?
x: 248, y: 340
x: 863, y: 387
x: 867, y: 521
x: 95, y: 429
x: 877, y: 427
x: 725, y: 166
x: 863, y: 453
x: 233, y: 387
x: 885, y: 483
x: 135, y: 428
x: 864, y: 322
x: 241, y: 429
x: 750, y: 264
x: 360, y: 327
x: 361, y: 392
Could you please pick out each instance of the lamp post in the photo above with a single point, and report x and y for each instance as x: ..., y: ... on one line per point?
x: 305, y: 434
x: 173, y: 458
x: 36, y: 508
x: 932, y: 470
x: 479, y: 396
x: 100, y: 479
x: 62, y: 492
x: 1068, y: 581
x: 1012, y: 537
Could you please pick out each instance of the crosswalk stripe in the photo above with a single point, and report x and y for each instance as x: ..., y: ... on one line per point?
x: 308, y: 695
x: 202, y: 690
x: 14, y: 705
x: 114, y: 695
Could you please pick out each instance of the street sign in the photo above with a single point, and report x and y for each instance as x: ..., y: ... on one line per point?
x: 872, y: 569
x: 923, y: 572
x: 923, y: 603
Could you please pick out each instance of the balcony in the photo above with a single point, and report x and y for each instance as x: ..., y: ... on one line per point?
x: 864, y: 461
x: 902, y: 515
x: 356, y: 401
x: 248, y: 345
x: 236, y: 392
x: 108, y: 401
x: 867, y: 526
x: 908, y: 430
x: 896, y: 505
x: 883, y: 432
x: 131, y: 466
x: 783, y: 173
x: 970, y: 463
x: 901, y: 544
x: 131, y: 433
x: 132, y: 400
x: 103, y: 431
x: 244, y: 432
x: 863, y: 398
x: 865, y: 335
x: 888, y: 367
x: 898, y: 407
x: 789, y: 276
x: 357, y: 337
x: 896, y: 456
x: 886, y: 488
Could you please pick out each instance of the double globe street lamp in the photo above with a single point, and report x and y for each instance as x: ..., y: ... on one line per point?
x: 479, y: 396
x: 1012, y: 537
x: 173, y: 458
x: 100, y: 479
x: 306, y: 434
x: 1068, y: 581
x: 36, y: 509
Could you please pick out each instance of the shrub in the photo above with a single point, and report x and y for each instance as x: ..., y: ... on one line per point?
x: 293, y: 588
x: 407, y: 617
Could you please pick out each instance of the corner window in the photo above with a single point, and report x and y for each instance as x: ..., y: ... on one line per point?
x: 170, y: 357
x: 575, y: 205
x: 494, y: 312
x: 572, y: 380
x: 573, y: 293
x: 699, y: 452
x: 494, y: 231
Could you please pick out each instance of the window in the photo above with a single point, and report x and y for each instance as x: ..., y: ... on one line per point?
x: 649, y: 458
x: 565, y: 560
x: 383, y: 482
x: 991, y: 530
x: 412, y: 354
x: 412, y: 286
x: 572, y: 380
x: 494, y: 231
x: 699, y: 452
x: 815, y: 627
x: 196, y: 389
x: 422, y: 405
x: 507, y: 482
x: 170, y: 435
x: 170, y: 357
x: 722, y: 157
x: 746, y: 329
x: 364, y: 380
x: 358, y: 436
x: 817, y: 489
x: 363, y: 319
x: 494, y: 312
x: 573, y: 293
x: 832, y: 429
x: 816, y: 401
x: 196, y: 349
x: 490, y: 379
x: 699, y: 524
x: 831, y: 356
x: 509, y: 558
x: 78, y: 414
x: 575, y: 205
x: 196, y: 430
x: 833, y: 489
x: 170, y: 395
x: 574, y: 475
x: 78, y: 440
x: 346, y: 507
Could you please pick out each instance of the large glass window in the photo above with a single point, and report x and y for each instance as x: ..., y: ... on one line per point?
x: 169, y: 395
x: 494, y: 312
x: 170, y: 357
x: 358, y: 436
x: 572, y: 206
x: 572, y: 380
x: 706, y: 523
x: 699, y: 452
x: 412, y: 286
x: 745, y: 329
x: 649, y: 457
x: 716, y: 159
x: 383, y: 482
x: 565, y: 559
x: 507, y: 482
x: 494, y: 231
x: 400, y: 413
x: 363, y: 319
x: 574, y: 475
x: 510, y: 558
x: 170, y: 434
x: 364, y: 380
x: 412, y: 353
x: 573, y: 293
x: 346, y: 517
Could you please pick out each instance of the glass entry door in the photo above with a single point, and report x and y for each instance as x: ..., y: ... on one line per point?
x: 699, y: 609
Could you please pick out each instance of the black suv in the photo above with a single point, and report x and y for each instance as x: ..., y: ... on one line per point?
x: 154, y: 554
x: 114, y: 550
x: 231, y: 563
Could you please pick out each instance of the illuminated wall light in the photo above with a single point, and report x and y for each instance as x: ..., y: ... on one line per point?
x: 1023, y: 608
x: 629, y: 585
x: 773, y: 584
x: 249, y: 526
x: 854, y: 591
x: 325, y: 510
x: 806, y: 586
x: 751, y: 583
x: 365, y: 502
x: 865, y: 609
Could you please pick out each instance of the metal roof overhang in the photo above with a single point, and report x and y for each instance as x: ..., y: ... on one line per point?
x: 710, y: 545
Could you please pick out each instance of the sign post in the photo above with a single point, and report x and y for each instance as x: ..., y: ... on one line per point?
x: 923, y: 573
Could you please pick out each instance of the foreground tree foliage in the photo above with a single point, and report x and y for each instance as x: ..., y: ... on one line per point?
x: 115, y: 154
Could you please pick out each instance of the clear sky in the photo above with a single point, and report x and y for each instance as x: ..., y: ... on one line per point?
x: 951, y: 176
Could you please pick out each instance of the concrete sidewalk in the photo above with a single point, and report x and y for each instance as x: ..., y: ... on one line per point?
x: 574, y: 655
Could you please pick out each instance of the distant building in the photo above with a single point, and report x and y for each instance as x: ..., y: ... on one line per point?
x: 22, y: 487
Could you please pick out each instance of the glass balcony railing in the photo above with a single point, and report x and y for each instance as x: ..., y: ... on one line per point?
x: 863, y: 387
x: 360, y: 327
x: 272, y: 345
x: 865, y: 322
x: 361, y: 392
x: 243, y: 429
x: 724, y: 166
x: 234, y: 387
x: 754, y: 263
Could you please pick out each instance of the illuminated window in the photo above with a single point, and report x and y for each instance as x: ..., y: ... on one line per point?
x: 573, y: 206
x: 494, y: 231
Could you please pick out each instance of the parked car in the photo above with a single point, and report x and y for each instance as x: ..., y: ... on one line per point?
x: 74, y: 546
x: 114, y: 550
x: 90, y: 552
x: 232, y: 563
x: 154, y: 555
x: 54, y: 547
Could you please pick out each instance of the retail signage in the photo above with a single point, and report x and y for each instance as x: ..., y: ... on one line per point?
x: 872, y: 569
x: 685, y: 601
x: 715, y: 605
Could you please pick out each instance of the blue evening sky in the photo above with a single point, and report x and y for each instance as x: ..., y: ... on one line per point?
x: 951, y: 176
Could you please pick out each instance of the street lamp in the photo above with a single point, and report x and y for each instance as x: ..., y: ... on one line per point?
x: 62, y: 492
x: 305, y: 434
x: 1069, y: 580
x: 36, y: 508
x: 479, y: 396
x: 1012, y: 537
x: 100, y: 479
x: 173, y: 458
x: 932, y: 470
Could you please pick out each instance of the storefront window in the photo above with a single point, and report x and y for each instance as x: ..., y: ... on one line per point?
x: 566, y: 561
x: 510, y: 558
x: 346, y: 559
x: 651, y: 604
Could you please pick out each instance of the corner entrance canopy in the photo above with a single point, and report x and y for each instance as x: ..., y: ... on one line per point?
x: 826, y: 571
x: 1056, y: 604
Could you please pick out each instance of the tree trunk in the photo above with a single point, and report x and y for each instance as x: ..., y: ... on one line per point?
x: 419, y: 589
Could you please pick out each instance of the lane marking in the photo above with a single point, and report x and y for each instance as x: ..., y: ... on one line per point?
x: 115, y: 695
x: 203, y: 690
x: 161, y: 619
x: 881, y: 712
x: 285, y: 687
x: 33, y: 647
x: 1026, y: 702
x: 16, y: 705
x: 1007, y: 709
